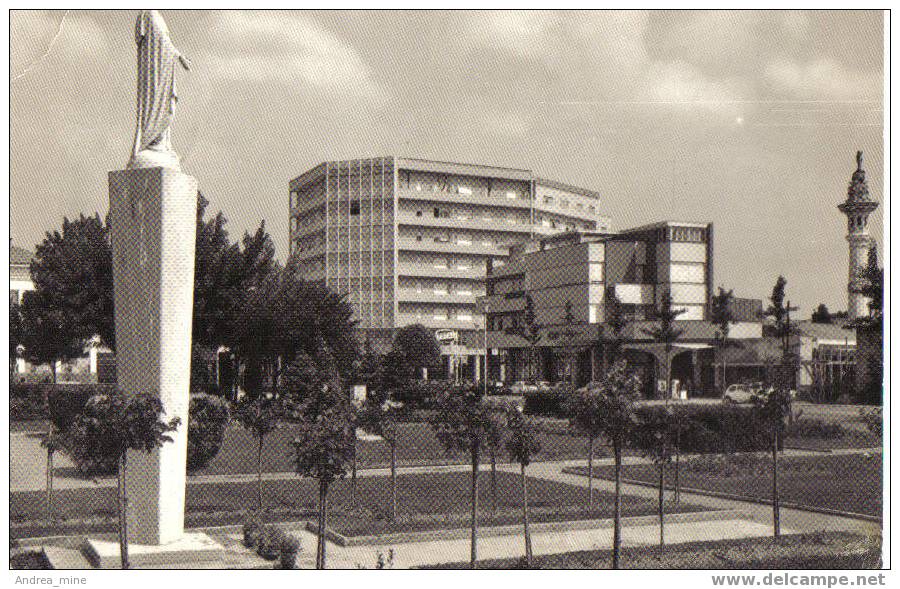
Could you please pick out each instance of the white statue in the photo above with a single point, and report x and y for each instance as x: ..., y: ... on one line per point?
x: 157, y: 61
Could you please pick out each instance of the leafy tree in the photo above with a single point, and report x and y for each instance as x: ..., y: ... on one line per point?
x: 52, y: 442
x: 721, y: 317
x: 49, y: 334
x: 613, y: 399
x: 584, y: 408
x: 113, y: 425
x: 872, y: 287
x: 779, y: 311
x: 522, y: 444
x: 654, y: 435
x: 775, y: 409
x: 821, y: 314
x: 414, y: 348
x: 260, y: 416
x: 667, y: 334
x: 616, y: 322
x: 461, y: 423
x: 324, y: 449
x: 72, y: 272
x: 381, y: 416
x: 529, y: 330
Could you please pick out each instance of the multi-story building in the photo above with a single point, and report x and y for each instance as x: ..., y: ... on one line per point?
x: 409, y: 240
x: 566, y: 289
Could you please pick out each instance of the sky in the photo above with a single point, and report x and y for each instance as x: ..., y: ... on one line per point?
x: 749, y: 120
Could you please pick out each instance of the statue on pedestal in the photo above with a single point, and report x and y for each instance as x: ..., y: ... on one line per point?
x: 157, y: 60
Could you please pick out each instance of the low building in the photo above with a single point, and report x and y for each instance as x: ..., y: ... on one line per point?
x: 19, y: 273
x: 562, y: 296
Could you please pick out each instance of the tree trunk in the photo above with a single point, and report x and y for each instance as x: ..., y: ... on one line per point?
x: 662, y: 509
x: 525, y: 518
x: 677, y: 458
x: 590, y: 472
x: 323, y: 524
x: 493, y: 482
x: 393, y: 481
x: 123, y: 511
x: 50, y: 517
x: 353, y: 474
x: 617, y: 507
x: 259, y: 469
x: 776, y: 502
x: 53, y: 370
x: 474, y: 555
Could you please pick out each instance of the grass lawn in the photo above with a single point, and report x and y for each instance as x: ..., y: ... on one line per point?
x: 425, y: 501
x: 417, y: 446
x: 845, y: 483
x: 833, y: 550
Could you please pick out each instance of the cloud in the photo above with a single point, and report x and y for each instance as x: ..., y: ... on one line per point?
x: 821, y: 79
x: 37, y: 36
x: 680, y: 83
x: 290, y: 50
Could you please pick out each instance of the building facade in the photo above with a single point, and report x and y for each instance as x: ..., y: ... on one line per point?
x: 409, y: 241
x: 559, y: 297
x: 857, y: 209
x: 19, y: 274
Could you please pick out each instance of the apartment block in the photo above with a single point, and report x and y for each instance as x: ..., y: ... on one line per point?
x: 410, y: 241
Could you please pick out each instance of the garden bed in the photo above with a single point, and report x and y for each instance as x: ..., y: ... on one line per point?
x: 832, y: 550
x: 845, y: 483
x: 425, y: 501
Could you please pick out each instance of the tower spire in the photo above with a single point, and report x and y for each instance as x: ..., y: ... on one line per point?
x: 857, y: 208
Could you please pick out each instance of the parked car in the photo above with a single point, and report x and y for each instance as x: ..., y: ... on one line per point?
x: 521, y: 387
x: 746, y: 393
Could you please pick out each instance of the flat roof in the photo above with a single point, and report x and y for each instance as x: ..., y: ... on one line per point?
x: 660, y: 224
x: 464, y: 169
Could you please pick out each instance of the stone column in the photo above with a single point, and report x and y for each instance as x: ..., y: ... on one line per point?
x: 153, y: 218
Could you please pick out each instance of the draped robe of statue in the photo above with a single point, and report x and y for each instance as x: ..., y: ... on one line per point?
x: 156, y: 95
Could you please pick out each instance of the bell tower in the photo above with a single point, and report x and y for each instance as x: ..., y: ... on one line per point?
x: 857, y: 208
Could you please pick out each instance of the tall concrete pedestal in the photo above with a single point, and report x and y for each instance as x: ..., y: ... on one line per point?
x: 153, y: 219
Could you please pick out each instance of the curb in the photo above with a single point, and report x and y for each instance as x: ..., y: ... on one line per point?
x: 516, y: 529
x: 745, y: 498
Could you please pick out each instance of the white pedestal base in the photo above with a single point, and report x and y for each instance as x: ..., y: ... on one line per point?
x: 190, y: 549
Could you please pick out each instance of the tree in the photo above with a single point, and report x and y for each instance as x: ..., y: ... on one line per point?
x: 414, y: 348
x: 15, y: 334
x: 780, y: 313
x: 821, y: 314
x: 382, y: 419
x: 667, y: 334
x: 521, y: 445
x: 584, y: 410
x: 72, y: 273
x: 654, y: 435
x: 613, y: 400
x: 529, y: 330
x: 721, y: 317
x: 871, y: 329
x: 494, y: 439
x: 616, y: 322
x: 570, y: 351
x: 872, y: 287
x: 260, y: 416
x: 52, y: 442
x: 460, y: 423
x: 775, y: 409
x: 49, y: 334
x: 113, y: 425
x: 324, y: 449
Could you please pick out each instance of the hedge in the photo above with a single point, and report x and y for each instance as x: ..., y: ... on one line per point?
x: 548, y: 402
x: 709, y: 428
x: 58, y: 402
x: 209, y: 417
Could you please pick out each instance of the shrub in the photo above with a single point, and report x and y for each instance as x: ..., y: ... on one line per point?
x: 815, y: 428
x: 709, y: 428
x: 873, y: 419
x: 206, y: 431
x: 209, y: 417
x: 252, y: 530
x: 549, y: 402
x: 269, y: 544
x: 420, y: 394
x: 66, y: 402
x: 27, y: 402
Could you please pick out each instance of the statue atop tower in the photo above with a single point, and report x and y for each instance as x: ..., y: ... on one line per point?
x: 857, y: 208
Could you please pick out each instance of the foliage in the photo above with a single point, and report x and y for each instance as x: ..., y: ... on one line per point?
x: 208, y: 421
x: 522, y: 443
x: 261, y: 415
x: 549, y: 401
x: 15, y: 330
x: 462, y: 419
x: 821, y: 314
x: 874, y: 419
x: 530, y: 331
x: 414, y: 347
x: 779, y: 311
x: 872, y: 287
x: 72, y: 274
x: 709, y: 428
x: 66, y: 402
x: 616, y: 320
x: 805, y: 427
x: 49, y: 332
x: 324, y: 445
x: 720, y: 312
x: 608, y: 406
